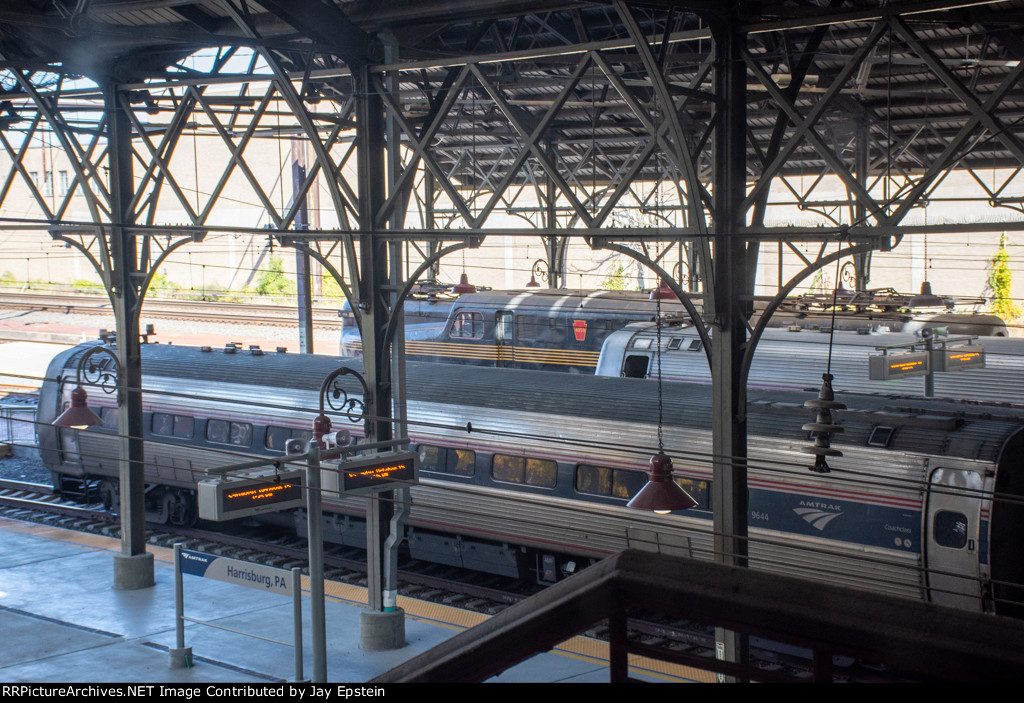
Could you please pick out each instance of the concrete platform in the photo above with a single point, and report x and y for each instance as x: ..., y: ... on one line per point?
x: 61, y: 621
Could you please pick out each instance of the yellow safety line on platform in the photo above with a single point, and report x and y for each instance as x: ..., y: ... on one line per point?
x: 578, y: 647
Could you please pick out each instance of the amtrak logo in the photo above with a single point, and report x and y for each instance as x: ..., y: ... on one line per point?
x: 819, y: 516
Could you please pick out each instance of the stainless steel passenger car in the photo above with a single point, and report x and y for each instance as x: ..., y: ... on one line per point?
x: 795, y: 359
x: 528, y: 473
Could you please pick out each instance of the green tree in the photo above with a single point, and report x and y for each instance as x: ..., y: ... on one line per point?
x: 1000, y: 280
x: 273, y: 281
x: 617, y: 279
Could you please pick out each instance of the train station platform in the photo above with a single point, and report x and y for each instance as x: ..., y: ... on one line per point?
x: 62, y: 622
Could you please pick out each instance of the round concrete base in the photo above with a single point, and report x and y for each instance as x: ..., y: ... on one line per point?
x: 133, y: 572
x: 379, y: 631
x: 180, y: 658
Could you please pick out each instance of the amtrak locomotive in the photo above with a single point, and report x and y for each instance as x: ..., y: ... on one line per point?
x: 527, y: 473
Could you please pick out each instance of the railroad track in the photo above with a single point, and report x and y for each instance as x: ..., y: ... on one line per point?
x: 458, y: 588
x: 163, y: 308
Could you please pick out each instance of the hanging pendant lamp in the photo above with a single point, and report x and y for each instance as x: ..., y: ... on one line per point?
x: 78, y: 416
x: 463, y: 286
x: 661, y: 493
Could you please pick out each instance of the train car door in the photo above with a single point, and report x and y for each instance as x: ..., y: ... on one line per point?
x: 952, y: 560
x: 504, y: 328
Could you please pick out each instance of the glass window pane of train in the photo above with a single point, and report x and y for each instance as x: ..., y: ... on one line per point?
x: 109, y: 415
x: 303, y: 435
x: 430, y: 458
x: 541, y: 472
x: 700, y: 491
x: 636, y: 366
x: 241, y: 434
x: 880, y: 436
x: 277, y: 437
x: 163, y: 424
x: 184, y: 426
x: 530, y: 327
x: 627, y: 484
x: 595, y: 480
x: 461, y: 462
x: 950, y: 529
x: 468, y: 325
x: 508, y: 468
x: 218, y: 431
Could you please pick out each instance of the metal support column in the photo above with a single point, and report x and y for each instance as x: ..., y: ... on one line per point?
x: 303, y: 286
x: 729, y: 421
x: 373, y: 282
x: 133, y: 568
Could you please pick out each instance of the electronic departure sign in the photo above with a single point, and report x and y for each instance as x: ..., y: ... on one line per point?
x: 256, y: 493
x: 894, y: 365
x: 961, y: 358
x: 378, y: 472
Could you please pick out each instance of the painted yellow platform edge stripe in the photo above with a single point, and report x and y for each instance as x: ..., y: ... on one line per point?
x: 435, y: 613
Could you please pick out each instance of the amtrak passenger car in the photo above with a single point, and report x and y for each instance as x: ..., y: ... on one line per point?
x: 527, y: 473
x: 794, y: 359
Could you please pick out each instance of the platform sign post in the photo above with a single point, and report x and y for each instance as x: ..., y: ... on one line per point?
x: 240, y: 573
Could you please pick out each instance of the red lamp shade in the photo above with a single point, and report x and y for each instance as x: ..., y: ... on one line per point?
x: 533, y: 283
x: 321, y: 426
x: 661, y: 494
x: 464, y: 286
x: 663, y: 292
x: 78, y: 416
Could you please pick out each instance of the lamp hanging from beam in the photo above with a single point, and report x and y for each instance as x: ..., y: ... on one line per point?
x: 661, y: 493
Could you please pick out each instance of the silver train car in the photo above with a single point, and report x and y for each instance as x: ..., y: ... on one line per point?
x: 527, y: 473
x: 795, y: 359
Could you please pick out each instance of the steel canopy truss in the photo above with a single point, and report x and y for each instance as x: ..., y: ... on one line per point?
x: 583, y: 117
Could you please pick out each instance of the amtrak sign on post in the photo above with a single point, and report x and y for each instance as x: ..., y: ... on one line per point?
x: 242, y: 573
x: 379, y: 472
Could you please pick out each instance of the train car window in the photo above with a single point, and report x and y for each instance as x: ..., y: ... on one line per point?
x: 950, y: 529
x: 518, y: 469
x: 696, y: 345
x: 168, y: 425
x: 626, y: 484
x: 595, y: 480
x: 544, y: 330
x: 617, y: 483
x: 461, y: 462
x: 508, y: 468
x: 241, y: 434
x: 430, y: 458
x: 467, y: 325
x: 674, y: 343
x: 218, y: 431
x: 163, y: 424
x: 700, y: 491
x: 277, y: 437
x: 184, y: 426
x: 541, y: 472
x: 110, y: 415
x: 636, y: 366
x: 223, y: 432
x: 881, y: 436
x: 642, y: 343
